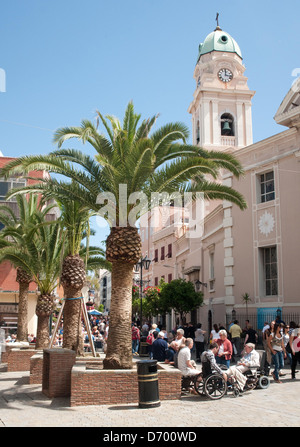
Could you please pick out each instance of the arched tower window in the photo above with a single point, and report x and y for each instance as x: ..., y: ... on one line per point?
x: 198, y: 132
x: 227, y: 125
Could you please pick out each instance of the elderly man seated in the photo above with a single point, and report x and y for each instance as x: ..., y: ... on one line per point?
x: 250, y: 359
x: 185, y: 364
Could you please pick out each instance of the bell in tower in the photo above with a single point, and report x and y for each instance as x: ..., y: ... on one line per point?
x: 226, y: 129
x: 227, y: 125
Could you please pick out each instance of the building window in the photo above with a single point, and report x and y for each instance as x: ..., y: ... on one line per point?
x: 269, y: 265
x: 3, y: 190
x: 156, y: 255
x: 211, y: 270
x: 169, y: 277
x: 169, y: 251
x: 162, y: 253
x: 267, y: 187
x: 156, y: 281
x: 5, y: 186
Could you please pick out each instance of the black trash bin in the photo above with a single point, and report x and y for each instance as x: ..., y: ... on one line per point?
x: 143, y: 349
x: 148, y: 384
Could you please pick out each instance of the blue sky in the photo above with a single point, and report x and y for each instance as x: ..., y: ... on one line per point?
x: 65, y: 59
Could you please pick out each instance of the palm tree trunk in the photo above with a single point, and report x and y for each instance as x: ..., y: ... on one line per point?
x: 119, y: 350
x: 44, y: 309
x: 72, y: 335
x: 24, y: 279
x: 22, y: 331
x: 72, y: 280
x: 42, y: 338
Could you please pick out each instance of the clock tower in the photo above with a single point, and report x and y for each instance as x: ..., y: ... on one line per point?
x: 221, y: 108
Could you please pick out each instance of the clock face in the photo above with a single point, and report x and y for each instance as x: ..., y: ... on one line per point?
x: 225, y: 75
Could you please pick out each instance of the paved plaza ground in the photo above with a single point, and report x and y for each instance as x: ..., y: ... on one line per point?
x: 24, y: 405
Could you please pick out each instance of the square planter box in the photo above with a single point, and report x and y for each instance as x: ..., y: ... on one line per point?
x: 57, y: 366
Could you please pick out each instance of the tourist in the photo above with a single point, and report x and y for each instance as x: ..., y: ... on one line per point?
x: 199, y: 341
x: 267, y: 334
x: 135, y: 336
x: 251, y: 335
x: 209, y: 358
x: 277, y: 348
x: 159, y: 348
x: 286, y: 342
x: 179, y: 337
x: 185, y: 364
x: 250, y: 358
x: 236, y: 332
x: 224, y: 354
x: 295, y: 350
x: 214, y: 335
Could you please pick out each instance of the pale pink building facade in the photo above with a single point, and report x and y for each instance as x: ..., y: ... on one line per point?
x: 256, y: 251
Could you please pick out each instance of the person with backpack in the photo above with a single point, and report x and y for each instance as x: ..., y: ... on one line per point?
x: 135, y: 335
x: 150, y: 339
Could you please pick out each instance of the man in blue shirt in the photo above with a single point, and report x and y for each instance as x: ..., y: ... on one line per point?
x: 159, y: 348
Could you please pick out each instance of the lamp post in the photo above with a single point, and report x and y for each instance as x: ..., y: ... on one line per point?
x: 144, y: 263
x: 199, y: 283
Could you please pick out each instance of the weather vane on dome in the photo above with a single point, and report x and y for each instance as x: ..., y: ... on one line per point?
x: 217, y: 20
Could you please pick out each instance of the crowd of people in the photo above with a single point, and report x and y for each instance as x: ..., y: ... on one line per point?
x: 99, y: 325
x: 231, y: 347
x: 234, y: 347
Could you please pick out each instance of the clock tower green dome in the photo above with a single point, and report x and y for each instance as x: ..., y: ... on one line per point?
x: 219, y: 40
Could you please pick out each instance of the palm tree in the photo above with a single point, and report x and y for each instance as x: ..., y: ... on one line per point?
x: 15, y: 239
x: 77, y: 261
x: 42, y: 260
x: 246, y: 299
x: 145, y: 161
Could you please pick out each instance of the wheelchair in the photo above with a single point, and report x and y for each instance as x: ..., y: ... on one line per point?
x: 259, y: 374
x: 207, y: 383
x: 213, y: 385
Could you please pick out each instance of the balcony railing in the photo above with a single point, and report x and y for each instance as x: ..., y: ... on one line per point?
x: 227, y: 141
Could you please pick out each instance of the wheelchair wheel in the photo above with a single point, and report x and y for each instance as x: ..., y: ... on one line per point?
x: 199, y: 385
x: 236, y: 392
x: 215, y: 386
x: 263, y: 382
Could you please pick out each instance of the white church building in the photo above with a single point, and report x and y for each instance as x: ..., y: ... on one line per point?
x: 256, y: 251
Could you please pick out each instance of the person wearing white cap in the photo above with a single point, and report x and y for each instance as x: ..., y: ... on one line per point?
x: 159, y: 348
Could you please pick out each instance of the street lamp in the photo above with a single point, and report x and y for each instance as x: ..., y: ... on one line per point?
x: 144, y: 263
x: 199, y: 283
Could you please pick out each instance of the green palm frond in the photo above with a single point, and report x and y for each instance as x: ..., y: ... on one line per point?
x: 217, y: 191
x: 176, y: 173
x: 131, y: 154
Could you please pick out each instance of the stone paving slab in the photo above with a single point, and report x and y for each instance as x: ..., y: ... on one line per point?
x: 24, y: 405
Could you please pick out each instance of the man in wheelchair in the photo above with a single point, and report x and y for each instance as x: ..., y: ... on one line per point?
x: 237, y: 372
x: 209, y: 364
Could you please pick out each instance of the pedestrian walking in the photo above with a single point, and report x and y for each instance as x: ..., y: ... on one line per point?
x: 277, y: 348
x: 135, y: 335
